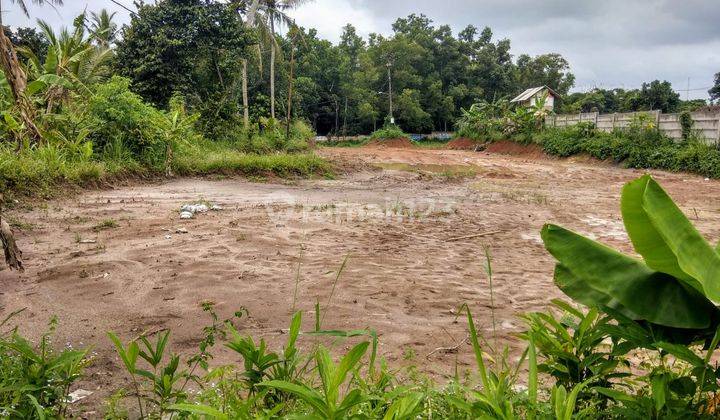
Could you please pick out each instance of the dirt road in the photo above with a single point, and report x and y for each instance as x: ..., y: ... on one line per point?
x: 397, y: 221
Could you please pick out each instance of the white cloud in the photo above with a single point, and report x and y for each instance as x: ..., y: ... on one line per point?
x: 329, y: 17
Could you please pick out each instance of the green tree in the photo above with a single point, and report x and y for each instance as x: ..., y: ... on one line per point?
x: 659, y: 95
x: 103, y: 28
x: 547, y: 69
x: 29, y: 38
x: 275, y: 13
x: 715, y: 90
x: 191, y: 47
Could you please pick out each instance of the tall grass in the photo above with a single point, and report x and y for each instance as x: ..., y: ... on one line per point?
x: 44, y: 170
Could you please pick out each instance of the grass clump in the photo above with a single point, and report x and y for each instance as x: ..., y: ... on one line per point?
x: 106, y: 224
x: 220, y: 157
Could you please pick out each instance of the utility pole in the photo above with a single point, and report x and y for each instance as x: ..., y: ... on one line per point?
x: 392, y: 119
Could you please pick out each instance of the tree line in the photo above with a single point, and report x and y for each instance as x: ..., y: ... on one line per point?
x: 237, y: 63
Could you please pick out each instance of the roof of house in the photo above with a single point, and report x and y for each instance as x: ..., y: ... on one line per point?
x: 529, y: 93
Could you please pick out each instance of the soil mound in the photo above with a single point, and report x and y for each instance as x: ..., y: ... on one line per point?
x: 508, y: 147
x: 398, y: 143
x: 462, y: 143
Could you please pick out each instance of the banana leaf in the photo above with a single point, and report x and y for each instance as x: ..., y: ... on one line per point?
x: 616, y: 280
x: 694, y: 254
x: 648, y: 242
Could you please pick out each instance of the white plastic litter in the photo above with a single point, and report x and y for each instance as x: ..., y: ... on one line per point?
x: 215, y: 207
x: 187, y: 211
x: 168, y: 236
x: 194, y: 208
x: 78, y: 395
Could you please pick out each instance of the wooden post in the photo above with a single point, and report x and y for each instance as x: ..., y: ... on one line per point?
x: 614, y: 119
x: 717, y: 138
x: 597, y: 114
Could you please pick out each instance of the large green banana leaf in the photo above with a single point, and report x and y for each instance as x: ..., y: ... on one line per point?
x: 694, y: 254
x: 645, y: 238
x: 614, y: 279
x: 581, y: 291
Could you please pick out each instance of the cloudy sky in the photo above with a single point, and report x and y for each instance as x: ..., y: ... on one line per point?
x: 610, y: 43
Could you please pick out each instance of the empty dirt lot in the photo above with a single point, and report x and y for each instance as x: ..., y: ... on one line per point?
x: 398, y: 215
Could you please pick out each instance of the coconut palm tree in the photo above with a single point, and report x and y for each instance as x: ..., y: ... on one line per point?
x: 16, y: 77
x: 274, y: 13
x: 102, y: 27
x: 251, y: 8
x: 73, y: 62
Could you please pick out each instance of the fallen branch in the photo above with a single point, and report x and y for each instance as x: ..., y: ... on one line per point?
x: 477, y: 235
x: 453, y: 349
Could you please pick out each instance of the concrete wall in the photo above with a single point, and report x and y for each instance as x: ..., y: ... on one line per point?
x: 707, y: 123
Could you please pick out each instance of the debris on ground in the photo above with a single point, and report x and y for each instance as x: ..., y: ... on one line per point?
x: 188, y: 211
x: 181, y: 230
x: 78, y: 395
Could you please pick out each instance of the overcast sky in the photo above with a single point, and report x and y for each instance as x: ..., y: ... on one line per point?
x: 610, y: 43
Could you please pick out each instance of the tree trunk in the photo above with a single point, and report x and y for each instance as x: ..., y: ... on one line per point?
x: 17, y: 80
x: 246, y: 106
x: 290, y: 86
x: 13, y: 256
x: 345, y: 119
x: 250, y: 22
x: 272, y: 67
x: 337, y: 118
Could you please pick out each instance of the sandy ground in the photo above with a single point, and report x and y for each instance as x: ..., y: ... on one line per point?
x: 406, y: 273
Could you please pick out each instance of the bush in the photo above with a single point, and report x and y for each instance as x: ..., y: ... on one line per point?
x: 122, y: 125
x: 35, y: 380
x: 641, y: 145
x: 270, y: 135
x: 389, y: 131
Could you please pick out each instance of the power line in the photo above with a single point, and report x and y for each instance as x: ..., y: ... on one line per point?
x: 124, y: 7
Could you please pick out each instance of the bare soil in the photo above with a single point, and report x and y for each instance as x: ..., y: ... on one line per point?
x: 462, y: 143
x: 509, y: 147
x: 396, y: 143
x: 406, y: 275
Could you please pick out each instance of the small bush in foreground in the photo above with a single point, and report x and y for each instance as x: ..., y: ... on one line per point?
x: 35, y: 380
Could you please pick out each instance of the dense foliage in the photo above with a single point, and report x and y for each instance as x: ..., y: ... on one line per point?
x: 655, y: 95
x: 68, y: 118
x: 192, y: 48
x: 638, y: 146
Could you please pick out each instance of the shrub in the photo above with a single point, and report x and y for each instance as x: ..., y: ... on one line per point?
x: 271, y: 136
x: 567, y: 141
x: 35, y: 380
x: 389, y: 131
x: 121, y: 124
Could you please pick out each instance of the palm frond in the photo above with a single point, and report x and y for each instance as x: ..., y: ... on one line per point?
x: 23, y: 6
